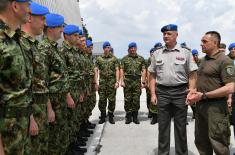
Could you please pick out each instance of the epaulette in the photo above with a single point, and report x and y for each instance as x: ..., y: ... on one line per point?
x: 157, y: 48
x: 183, y: 46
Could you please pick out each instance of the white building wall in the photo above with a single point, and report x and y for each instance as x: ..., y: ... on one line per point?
x: 68, y: 8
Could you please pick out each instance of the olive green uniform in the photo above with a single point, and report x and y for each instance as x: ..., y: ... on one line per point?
x: 212, y: 132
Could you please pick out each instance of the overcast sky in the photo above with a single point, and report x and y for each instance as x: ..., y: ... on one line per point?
x: 124, y: 21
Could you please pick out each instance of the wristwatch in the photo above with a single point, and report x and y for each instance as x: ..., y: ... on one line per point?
x: 204, y: 96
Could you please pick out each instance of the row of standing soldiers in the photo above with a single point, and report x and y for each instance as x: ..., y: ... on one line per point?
x: 129, y: 73
x: 47, y: 92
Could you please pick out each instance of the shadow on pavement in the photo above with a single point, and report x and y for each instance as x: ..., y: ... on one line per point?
x: 172, y: 151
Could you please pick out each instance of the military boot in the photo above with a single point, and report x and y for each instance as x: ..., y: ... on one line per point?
x: 111, y: 120
x: 135, y: 117
x: 102, y: 117
x: 154, y: 119
x: 150, y: 115
x: 128, y: 118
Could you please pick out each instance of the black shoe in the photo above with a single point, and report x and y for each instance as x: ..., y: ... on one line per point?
x: 83, y: 139
x: 83, y: 134
x: 150, y: 115
x: 154, y: 119
x: 77, y: 148
x: 102, y: 118
x: 74, y: 152
x: 80, y: 143
x: 128, y: 118
x: 90, y: 125
x: 135, y: 117
x: 89, y: 131
x: 111, y: 120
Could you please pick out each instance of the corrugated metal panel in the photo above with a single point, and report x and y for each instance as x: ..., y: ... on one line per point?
x: 68, y: 8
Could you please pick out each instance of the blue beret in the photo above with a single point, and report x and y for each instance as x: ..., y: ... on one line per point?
x: 89, y: 43
x: 132, y: 44
x: 170, y: 27
x: 71, y: 29
x: 151, y: 50
x: 232, y: 45
x: 22, y: 1
x: 194, y: 52
x: 106, y: 44
x: 158, y: 44
x: 54, y: 20
x: 38, y: 9
x: 81, y: 33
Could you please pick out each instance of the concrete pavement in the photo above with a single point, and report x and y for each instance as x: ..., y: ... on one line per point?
x: 134, y: 139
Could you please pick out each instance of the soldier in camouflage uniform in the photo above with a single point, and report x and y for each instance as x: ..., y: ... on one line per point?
x: 33, y: 28
x: 68, y: 50
x: 58, y: 85
x: 152, y: 108
x: 89, y: 75
x: 15, y: 78
x: 93, y: 78
x: 85, y: 86
x: 108, y: 66
x: 132, y: 70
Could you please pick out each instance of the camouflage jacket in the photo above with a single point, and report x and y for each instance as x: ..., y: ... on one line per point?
x: 82, y: 64
x: 72, y: 63
x: 40, y: 64
x: 133, y: 65
x: 107, y: 66
x: 15, y: 70
x: 58, y: 76
x: 92, y: 61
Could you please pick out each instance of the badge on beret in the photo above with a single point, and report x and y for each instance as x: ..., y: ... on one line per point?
x: 230, y: 70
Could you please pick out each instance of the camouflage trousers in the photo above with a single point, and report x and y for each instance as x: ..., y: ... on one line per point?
x: 152, y: 108
x: 107, y: 92
x: 85, y: 109
x: 74, y: 116
x: 91, y: 102
x: 58, y: 131
x: 14, y: 133
x: 39, y: 143
x: 212, y: 128
x: 132, y: 92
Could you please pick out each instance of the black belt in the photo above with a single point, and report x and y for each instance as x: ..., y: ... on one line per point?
x: 172, y: 87
x: 15, y: 112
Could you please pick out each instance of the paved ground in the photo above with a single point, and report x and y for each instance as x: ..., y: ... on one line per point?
x: 133, y: 139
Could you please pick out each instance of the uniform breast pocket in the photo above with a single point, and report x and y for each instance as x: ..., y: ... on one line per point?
x: 179, y: 65
x: 159, y: 66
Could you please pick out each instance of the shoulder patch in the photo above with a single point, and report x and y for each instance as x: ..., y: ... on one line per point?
x: 230, y: 70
